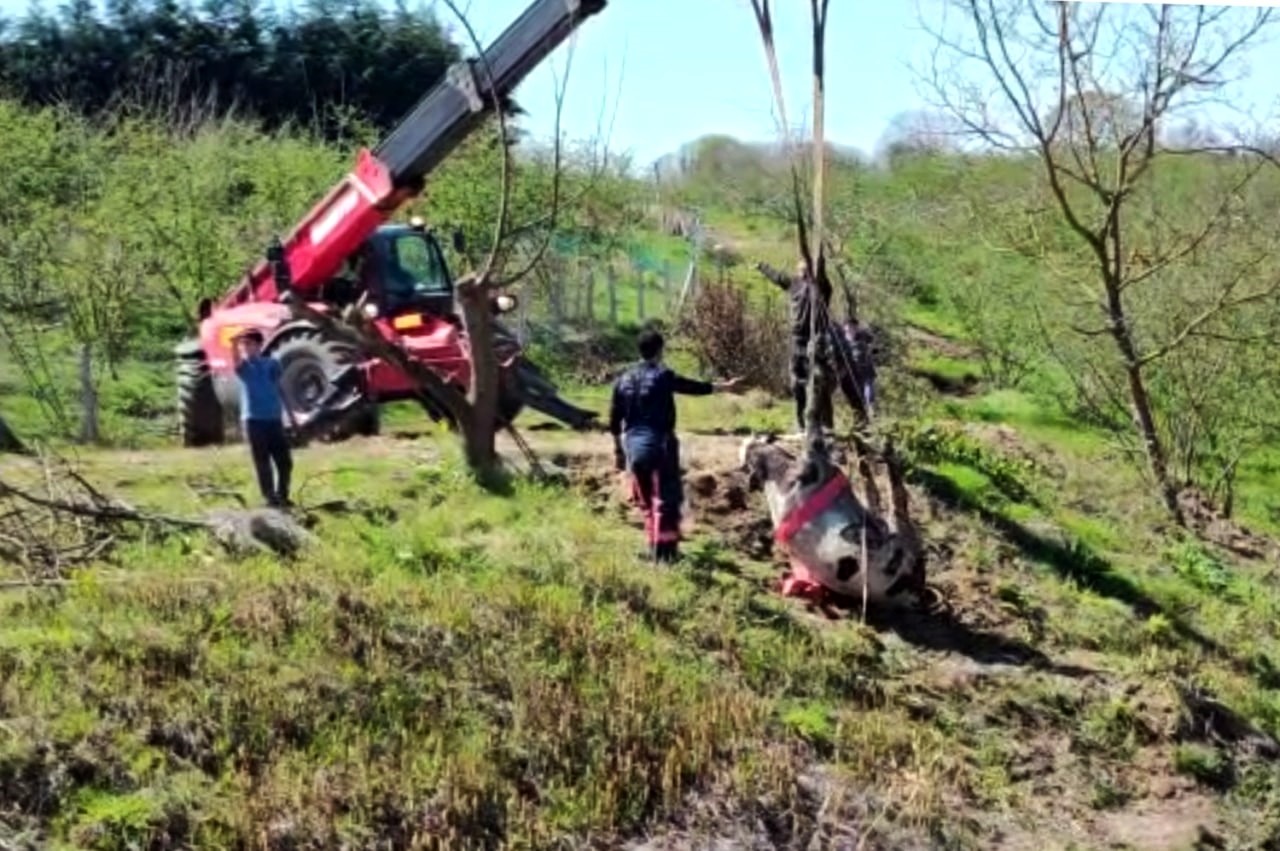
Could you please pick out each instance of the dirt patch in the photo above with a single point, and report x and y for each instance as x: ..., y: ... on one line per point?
x: 1152, y: 825
x: 721, y: 504
x: 717, y: 503
x: 1211, y: 525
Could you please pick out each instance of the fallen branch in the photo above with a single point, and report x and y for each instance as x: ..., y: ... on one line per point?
x: 72, y: 523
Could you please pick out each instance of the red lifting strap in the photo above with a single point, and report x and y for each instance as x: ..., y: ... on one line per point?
x: 804, y: 514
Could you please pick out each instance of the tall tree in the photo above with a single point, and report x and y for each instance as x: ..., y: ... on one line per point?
x: 1087, y: 89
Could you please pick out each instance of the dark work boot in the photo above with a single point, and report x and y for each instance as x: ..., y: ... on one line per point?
x: 667, y: 553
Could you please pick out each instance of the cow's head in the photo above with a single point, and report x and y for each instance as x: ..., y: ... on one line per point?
x: 763, y: 460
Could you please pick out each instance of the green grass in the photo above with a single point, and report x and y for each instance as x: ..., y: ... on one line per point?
x: 481, y: 656
x: 502, y: 668
x: 933, y: 319
x: 1031, y: 417
x: 1258, y: 490
x: 501, y: 672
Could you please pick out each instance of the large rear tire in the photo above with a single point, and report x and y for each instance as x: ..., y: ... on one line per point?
x: 307, y: 359
x: 199, y: 411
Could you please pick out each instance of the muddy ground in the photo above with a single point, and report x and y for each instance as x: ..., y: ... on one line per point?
x: 966, y: 652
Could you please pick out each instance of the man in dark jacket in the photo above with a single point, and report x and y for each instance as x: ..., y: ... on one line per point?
x: 801, y: 290
x: 642, y: 419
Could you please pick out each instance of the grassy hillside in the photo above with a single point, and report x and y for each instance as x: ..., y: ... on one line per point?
x: 453, y: 668
x: 459, y: 668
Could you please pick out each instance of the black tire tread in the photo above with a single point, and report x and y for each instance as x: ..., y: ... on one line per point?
x: 335, y: 354
x: 199, y: 412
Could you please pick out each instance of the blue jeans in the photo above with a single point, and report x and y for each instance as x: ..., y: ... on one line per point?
x: 269, y: 446
x: 654, y: 464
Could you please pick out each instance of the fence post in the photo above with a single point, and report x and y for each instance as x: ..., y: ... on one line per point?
x: 89, y: 432
x: 611, y: 281
x: 640, y: 282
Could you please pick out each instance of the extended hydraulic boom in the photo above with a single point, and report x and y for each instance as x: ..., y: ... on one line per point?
x: 395, y: 172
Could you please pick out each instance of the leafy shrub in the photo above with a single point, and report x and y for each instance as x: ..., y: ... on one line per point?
x: 731, y: 336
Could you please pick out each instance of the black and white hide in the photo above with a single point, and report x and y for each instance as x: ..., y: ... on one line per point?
x: 828, y: 532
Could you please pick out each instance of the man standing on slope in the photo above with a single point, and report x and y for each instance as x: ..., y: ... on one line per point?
x: 262, y: 407
x: 801, y: 289
x: 642, y: 420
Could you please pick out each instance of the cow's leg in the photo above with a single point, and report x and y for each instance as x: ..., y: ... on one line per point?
x: 903, y: 526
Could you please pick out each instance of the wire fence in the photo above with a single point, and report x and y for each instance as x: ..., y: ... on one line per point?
x: 573, y: 287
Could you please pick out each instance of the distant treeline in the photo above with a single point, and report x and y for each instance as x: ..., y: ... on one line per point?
x: 321, y: 67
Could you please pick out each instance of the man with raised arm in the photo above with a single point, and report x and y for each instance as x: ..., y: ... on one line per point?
x: 642, y: 420
x: 801, y: 291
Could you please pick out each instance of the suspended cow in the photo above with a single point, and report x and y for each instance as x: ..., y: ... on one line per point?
x: 833, y: 540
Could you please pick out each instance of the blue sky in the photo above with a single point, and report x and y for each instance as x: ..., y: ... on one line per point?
x: 668, y: 71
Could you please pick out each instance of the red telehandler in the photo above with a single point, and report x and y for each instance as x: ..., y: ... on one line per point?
x: 346, y: 251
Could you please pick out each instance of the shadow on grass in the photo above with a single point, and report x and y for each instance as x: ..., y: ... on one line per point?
x: 944, y: 632
x: 1075, y: 561
x: 937, y: 631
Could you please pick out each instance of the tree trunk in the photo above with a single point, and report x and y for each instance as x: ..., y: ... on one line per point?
x: 640, y: 282
x: 1144, y: 416
x: 89, y: 432
x: 479, y: 429
x: 611, y: 281
x: 590, y: 296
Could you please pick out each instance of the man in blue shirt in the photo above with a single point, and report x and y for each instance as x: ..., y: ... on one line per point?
x: 642, y: 420
x: 262, y: 408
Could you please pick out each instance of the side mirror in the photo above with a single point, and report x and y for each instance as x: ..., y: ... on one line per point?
x: 506, y: 303
x: 459, y: 241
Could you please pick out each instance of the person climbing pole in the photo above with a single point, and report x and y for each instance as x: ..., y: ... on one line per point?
x: 642, y: 420
x: 262, y: 408
x: 800, y: 289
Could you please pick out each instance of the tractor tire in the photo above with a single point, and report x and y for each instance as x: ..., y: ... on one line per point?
x: 200, y: 415
x: 307, y: 358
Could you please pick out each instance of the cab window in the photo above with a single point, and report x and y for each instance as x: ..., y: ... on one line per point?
x: 416, y: 268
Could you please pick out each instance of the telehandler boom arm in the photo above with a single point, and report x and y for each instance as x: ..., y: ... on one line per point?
x: 396, y: 170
